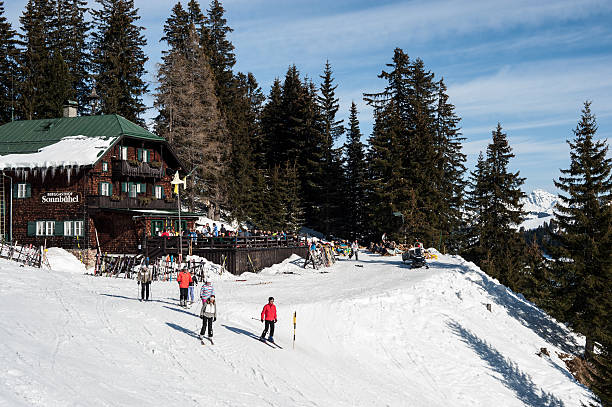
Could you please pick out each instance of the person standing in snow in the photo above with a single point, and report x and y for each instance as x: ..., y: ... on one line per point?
x: 144, y: 280
x: 207, y: 290
x: 208, y: 315
x: 192, y: 285
x: 183, y: 279
x: 215, y: 231
x: 355, y: 249
x: 268, y: 315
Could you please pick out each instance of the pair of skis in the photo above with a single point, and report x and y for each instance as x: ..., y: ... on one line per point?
x: 271, y: 344
x: 202, y: 340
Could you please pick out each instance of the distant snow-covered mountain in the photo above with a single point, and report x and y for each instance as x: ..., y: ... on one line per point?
x: 539, y: 206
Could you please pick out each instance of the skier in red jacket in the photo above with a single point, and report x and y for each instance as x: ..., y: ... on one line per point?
x: 268, y: 314
x: 184, y: 278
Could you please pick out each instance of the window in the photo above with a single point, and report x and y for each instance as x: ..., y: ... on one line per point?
x: 73, y: 228
x: 49, y: 227
x: 144, y: 155
x: 106, y: 189
x: 156, y: 227
x: 78, y: 228
x: 40, y: 228
x: 21, y: 190
x: 124, y: 153
x: 104, y: 166
x: 159, y: 192
x: 133, y: 190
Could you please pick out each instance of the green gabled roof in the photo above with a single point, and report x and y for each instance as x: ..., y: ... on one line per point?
x: 29, y: 136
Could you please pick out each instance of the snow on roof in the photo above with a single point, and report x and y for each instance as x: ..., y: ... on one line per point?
x: 69, y: 151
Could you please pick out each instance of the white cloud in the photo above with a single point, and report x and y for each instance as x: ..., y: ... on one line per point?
x: 536, y: 89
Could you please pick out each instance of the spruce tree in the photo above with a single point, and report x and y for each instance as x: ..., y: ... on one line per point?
x: 267, y: 152
x: 119, y: 59
x: 496, y: 214
x: 583, y: 265
x: 36, y: 61
x: 354, y: 201
x: 8, y: 68
x: 331, y: 195
x: 69, y: 38
x: 451, y: 168
x: 221, y: 52
x: 176, y: 29
x: 242, y: 169
x: 391, y: 187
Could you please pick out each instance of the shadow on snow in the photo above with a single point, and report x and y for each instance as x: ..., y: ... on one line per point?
x: 512, y: 377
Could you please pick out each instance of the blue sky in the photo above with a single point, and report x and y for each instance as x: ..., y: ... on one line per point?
x: 526, y: 64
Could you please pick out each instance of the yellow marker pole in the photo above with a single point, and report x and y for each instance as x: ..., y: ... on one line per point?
x: 294, y: 317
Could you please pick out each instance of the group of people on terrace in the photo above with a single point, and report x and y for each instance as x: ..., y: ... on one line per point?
x: 216, y: 231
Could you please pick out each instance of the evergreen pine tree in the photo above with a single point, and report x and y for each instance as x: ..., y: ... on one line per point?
x: 331, y: 181
x: 476, y: 206
x: 390, y: 186
x: 266, y: 150
x: 41, y: 75
x: 221, y: 53
x: 497, y: 214
x: 69, y: 38
x: 8, y: 68
x: 451, y: 166
x: 118, y: 59
x: 583, y: 265
x: 176, y: 29
x: 355, y: 179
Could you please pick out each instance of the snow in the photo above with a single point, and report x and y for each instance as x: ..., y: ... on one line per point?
x: 61, y: 260
x: 69, y: 151
x: 381, y: 334
x: 203, y: 220
x: 539, y: 205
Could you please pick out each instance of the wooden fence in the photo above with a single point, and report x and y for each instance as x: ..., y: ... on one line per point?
x: 236, y: 254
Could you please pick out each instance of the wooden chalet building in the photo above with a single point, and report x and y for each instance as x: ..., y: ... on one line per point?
x: 75, y: 181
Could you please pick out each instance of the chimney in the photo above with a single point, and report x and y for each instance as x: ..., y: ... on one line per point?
x: 70, y: 109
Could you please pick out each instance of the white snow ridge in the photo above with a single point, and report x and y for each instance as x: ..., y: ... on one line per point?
x: 378, y: 335
x: 539, y: 206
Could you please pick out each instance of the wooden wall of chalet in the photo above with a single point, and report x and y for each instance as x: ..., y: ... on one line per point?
x: 113, y: 154
x: 117, y: 232
x: 34, y: 209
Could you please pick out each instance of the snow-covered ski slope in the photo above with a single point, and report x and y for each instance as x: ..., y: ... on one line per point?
x: 377, y: 335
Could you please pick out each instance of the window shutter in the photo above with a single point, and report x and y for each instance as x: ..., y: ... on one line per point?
x: 59, y: 228
x: 124, y: 187
x: 110, y: 189
x: 28, y: 191
x: 31, y: 228
x: 143, y: 188
x: 139, y: 154
x: 15, y: 190
x: 100, y: 188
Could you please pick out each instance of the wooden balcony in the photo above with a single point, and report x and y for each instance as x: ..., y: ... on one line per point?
x: 122, y: 168
x: 105, y: 202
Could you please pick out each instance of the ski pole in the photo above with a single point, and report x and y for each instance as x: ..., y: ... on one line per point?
x: 294, y: 324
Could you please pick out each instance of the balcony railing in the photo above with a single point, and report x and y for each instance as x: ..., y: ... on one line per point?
x: 125, y: 168
x: 106, y: 202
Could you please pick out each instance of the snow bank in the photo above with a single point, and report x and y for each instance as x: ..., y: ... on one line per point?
x: 61, y: 260
x: 69, y: 151
x: 378, y: 335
